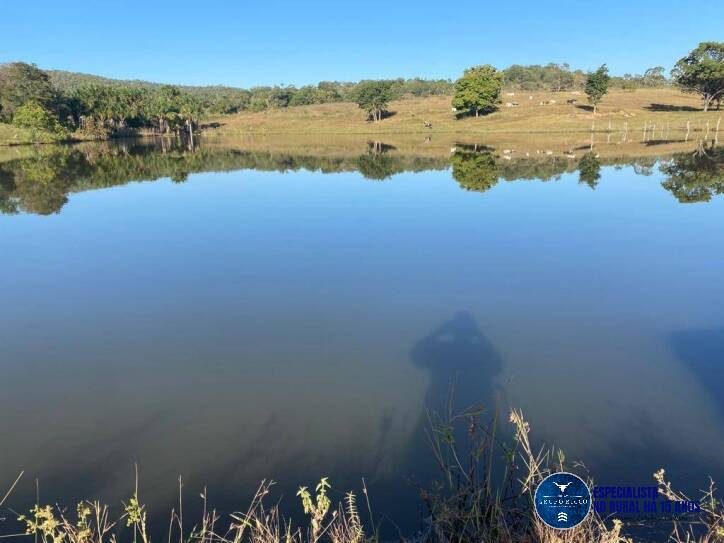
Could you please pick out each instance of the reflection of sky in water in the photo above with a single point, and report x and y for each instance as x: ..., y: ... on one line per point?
x: 250, y: 325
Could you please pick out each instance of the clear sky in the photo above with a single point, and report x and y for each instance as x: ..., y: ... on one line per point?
x: 247, y: 43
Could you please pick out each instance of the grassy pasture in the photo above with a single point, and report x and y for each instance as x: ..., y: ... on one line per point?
x: 12, y: 135
x: 663, y: 107
x: 663, y: 112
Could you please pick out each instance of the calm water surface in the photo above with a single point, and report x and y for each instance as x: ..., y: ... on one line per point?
x: 291, y: 317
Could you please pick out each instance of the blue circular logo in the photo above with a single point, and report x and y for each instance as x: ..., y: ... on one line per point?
x: 562, y: 500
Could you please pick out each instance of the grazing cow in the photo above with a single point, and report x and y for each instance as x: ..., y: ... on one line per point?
x: 428, y: 124
x: 510, y: 94
x: 515, y: 104
x: 571, y: 101
x: 454, y: 109
x: 576, y: 93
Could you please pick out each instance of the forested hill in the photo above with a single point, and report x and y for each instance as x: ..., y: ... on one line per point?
x: 68, y: 82
x: 224, y: 99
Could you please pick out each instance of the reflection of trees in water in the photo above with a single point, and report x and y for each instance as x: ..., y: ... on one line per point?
x: 475, y: 170
x: 589, y: 170
x: 479, y: 169
x: 695, y: 177
x: 536, y: 168
x: 41, y: 183
x: 377, y: 164
x: 644, y: 166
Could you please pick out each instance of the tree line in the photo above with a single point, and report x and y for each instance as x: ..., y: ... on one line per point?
x: 559, y: 77
x: 217, y: 99
x: 29, y: 99
x: 701, y: 72
x: 59, y: 102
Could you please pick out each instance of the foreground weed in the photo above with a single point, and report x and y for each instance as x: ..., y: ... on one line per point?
x: 485, y: 495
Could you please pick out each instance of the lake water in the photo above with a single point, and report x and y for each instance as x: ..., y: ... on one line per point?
x: 264, y: 313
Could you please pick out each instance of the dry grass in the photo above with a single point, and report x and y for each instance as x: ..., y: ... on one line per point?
x: 468, y: 505
x: 663, y: 107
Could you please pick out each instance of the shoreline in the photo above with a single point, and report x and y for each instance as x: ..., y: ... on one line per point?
x: 660, y: 111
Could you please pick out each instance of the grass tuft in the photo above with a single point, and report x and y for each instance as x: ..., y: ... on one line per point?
x: 486, y: 494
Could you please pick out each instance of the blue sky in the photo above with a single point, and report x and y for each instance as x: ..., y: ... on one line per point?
x: 246, y: 43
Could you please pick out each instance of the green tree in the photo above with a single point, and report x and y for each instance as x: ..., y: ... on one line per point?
x: 21, y: 83
x: 597, y: 86
x: 164, y: 107
x: 190, y: 111
x: 130, y: 104
x: 553, y: 77
x: 702, y: 72
x: 35, y: 117
x: 280, y: 97
x: 373, y: 97
x: 589, y: 170
x: 304, y: 96
x: 654, y: 77
x: 478, y: 90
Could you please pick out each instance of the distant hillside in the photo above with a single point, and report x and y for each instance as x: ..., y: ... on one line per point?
x: 224, y: 99
x: 216, y: 98
x: 69, y: 81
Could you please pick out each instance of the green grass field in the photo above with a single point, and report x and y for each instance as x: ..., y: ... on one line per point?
x: 12, y: 135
